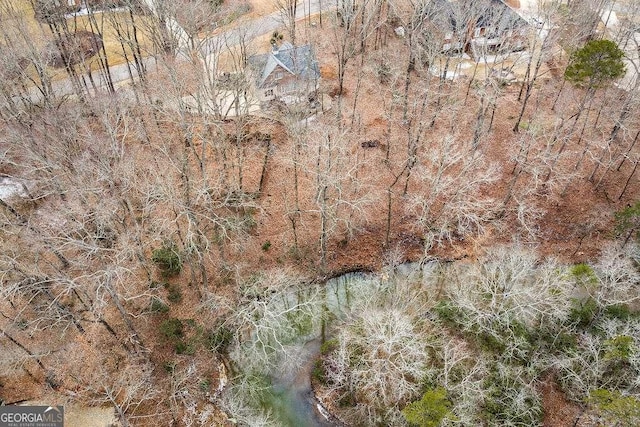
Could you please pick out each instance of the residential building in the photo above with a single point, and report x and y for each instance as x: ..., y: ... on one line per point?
x: 288, y: 73
x: 478, y: 27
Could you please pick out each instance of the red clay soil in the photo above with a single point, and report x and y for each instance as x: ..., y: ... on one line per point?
x: 558, y: 411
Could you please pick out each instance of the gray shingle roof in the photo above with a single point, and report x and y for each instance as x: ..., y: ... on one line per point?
x: 299, y: 61
x: 454, y: 15
x: 501, y: 17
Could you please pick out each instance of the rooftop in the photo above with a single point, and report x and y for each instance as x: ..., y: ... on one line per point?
x: 299, y: 61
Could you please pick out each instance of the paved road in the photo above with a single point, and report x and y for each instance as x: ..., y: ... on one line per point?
x: 247, y: 29
x: 264, y: 24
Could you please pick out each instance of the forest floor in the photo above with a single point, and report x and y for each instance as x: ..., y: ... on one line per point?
x: 558, y: 411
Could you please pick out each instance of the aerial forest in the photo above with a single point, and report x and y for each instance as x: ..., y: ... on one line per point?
x: 321, y: 213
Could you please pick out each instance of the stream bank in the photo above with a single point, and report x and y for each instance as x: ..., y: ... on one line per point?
x: 277, y: 358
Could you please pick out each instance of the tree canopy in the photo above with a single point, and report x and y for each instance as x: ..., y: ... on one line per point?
x: 430, y: 410
x: 616, y: 407
x: 596, y: 64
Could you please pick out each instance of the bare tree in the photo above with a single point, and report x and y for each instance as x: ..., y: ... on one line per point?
x: 447, y: 203
x: 379, y: 358
x: 341, y: 197
x: 287, y: 10
x: 348, y: 36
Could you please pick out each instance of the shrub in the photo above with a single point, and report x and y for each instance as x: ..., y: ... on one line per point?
x: 167, y: 258
x: 619, y: 348
x: 628, y: 221
x: 510, y: 400
x: 430, y: 410
x: 582, y: 270
x: 328, y: 346
x: 347, y: 400
x: 182, y: 347
x: 616, y: 408
x: 449, y: 313
x: 248, y: 222
x: 555, y: 341
x: 174, y: 293
x: 22, y: 324
x: 584, y: 275
x: 184, y: 334
x: 219, y: 339
x: 490, y: 343
x: 317, y: 372
x: 618, y: 311
x: 205, y: 385
x: 157, y: 306
x: 583, y: 312
x: 172, y: 329
x: 383, y: 70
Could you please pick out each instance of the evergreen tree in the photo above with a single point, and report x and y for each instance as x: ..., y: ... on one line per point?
x: 430, y: 410
x: 597, y: 63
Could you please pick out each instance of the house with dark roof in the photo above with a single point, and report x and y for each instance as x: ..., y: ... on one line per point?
x: 499, y: 30
x: 479, y: 27
x: 287, y: 73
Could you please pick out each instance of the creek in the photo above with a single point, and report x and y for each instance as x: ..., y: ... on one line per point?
x: 312, y: 317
